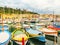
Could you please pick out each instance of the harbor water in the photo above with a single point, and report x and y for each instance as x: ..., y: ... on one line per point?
x: 33, y: 41
x: 36, y: 42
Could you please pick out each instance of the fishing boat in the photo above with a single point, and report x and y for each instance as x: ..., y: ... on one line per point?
x: 39, y: 25
x: 25, y: 26
x: 55, y: 26
x: 35, y: 34
x: 49, y: 33
x: 4, y: 21
x: 4, y: 37
x: 17, y: 36
x: 33, y: 20
x: 5, y: 27
x: 17, y: 25
x: 32, y: 24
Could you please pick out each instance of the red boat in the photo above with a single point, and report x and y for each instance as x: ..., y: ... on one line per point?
x: 53, y: 27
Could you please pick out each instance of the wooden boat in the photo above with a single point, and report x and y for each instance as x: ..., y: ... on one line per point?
x: 5, y: 27
x: 39, y: 25
x: 35, y: 34
x: 49, y: 33
x: 55, y: 27
x: 4, y: 37
x: 18, y: 25
x: 33, y: 21
x: 4, y: 21
x: 32, y: 24
x: 17, y: 36
x: 25, y: 26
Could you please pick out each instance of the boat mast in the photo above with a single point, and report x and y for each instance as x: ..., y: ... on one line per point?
x: 2, y: 20
x: 53, y: 17
x: 54, y: 36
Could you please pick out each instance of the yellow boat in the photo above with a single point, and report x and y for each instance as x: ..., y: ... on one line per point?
x: 17, y: 36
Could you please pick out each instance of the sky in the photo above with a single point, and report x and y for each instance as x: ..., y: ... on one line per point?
x: 39, y: 6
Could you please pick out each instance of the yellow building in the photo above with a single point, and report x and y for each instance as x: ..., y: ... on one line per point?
x: 17, y: 16
x: 8, y: 16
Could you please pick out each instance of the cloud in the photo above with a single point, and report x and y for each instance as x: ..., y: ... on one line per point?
x: 40, y: 6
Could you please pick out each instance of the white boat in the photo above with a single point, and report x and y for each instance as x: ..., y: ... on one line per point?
x: 4, y: 37
x: 50, y: 34
x: 25, y: 26
x: 49, y: 31
x: 40, y: 24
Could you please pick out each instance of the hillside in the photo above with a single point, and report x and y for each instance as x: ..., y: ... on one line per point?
x: 6, y: 10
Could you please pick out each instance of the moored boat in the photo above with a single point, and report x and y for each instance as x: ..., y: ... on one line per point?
x: 17, y: 36
x: 35, y: 34
x: 49, y: 33
x: 55, y: 26
x: 5, y: 37
x: 5, y: 27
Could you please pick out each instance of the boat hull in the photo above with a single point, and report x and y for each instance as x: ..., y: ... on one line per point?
x: 20, y: 43
x: 40, y: 38
x: 51, y: 37
x: 54, y: 27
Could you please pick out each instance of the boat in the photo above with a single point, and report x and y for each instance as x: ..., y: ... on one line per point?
x: 49, y: 33
x: 5, y: 37
x: 39, y: 25
x: 25, y: 26
x: 17, y: 36
x: 35, y: 34
x: 5, y: 27
x: 4, y: 21
x: 55, y: 26
x: 17, y: 25
x: 33, y: 20
x: 32, y: 24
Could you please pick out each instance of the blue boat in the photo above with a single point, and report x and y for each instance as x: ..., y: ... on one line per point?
x: 35, y: 34
x: 38, y: 27
x: 56, y: 24
x: 6, y: 40
x: 5, y: 27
